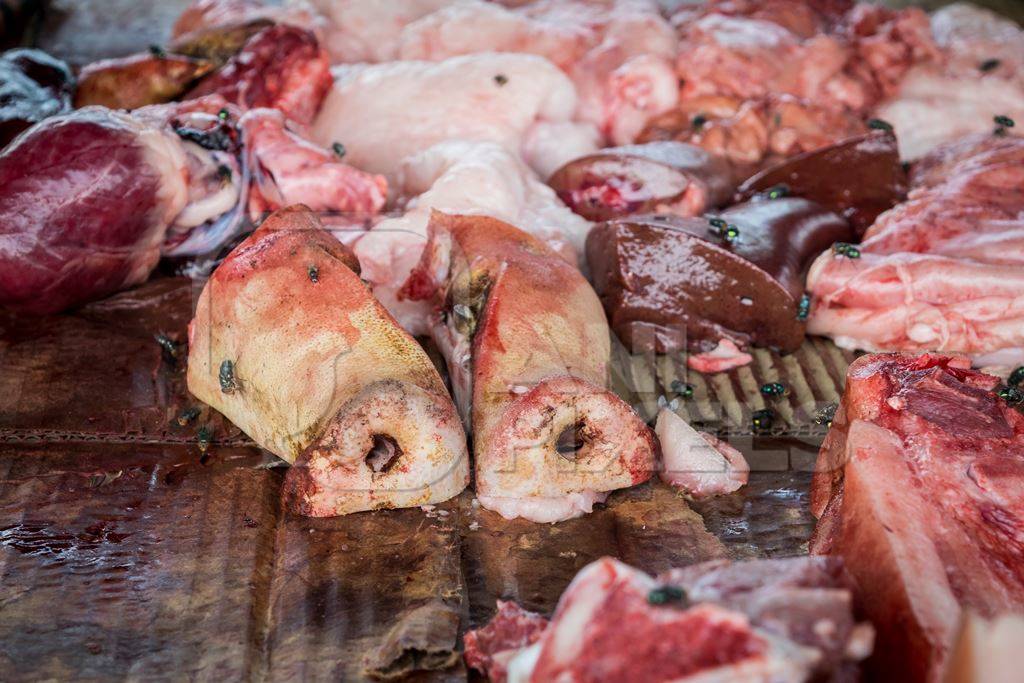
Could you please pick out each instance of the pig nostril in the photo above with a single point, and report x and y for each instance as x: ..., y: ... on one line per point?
x: 571, y: 440
x: 383, y: 454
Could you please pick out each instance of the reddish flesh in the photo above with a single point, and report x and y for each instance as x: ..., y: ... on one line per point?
x: 512, y: 628
x: 281, y: 67
x: 79, y: 211
x: 919, y: 490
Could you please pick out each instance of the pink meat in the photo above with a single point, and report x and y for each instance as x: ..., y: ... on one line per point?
x: 941, y: 271
x: 488, y: 649
x: 724, y: 357
x: 697, y: 462
x: 826, y: 53
x: 288, y: 169
x: 920, y: 489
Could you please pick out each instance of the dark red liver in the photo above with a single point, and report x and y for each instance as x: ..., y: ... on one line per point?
x: 675, y: 279
x: 858, y: 178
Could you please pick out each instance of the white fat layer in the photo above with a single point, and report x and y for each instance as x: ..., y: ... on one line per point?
x: 520, y: 667
x: 544, y: 510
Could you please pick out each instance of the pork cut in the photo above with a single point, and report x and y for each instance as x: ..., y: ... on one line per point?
x: 528, y: 349
x: 942, y: 270
x: 918, y: 487
x: 290, y: 345
x: 459, y: 176
x: 522, y: 102
x: 978, y: 77
x: 766, y: 620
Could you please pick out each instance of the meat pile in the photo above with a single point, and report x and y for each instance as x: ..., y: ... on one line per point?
x: 941, y: 271
x: 918, y: 489
x: 778, y: 620
x: 763, y: 80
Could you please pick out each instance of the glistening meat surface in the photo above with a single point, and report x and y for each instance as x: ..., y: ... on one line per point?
x: 88, y: 201
x: 289, y: 344
x: 480, y: 178
x: 549, y: 438
x: 942, y: 270
x: 768, y: 620
x: 918, y: 488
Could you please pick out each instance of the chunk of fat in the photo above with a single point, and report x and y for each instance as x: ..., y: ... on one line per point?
x: 545, y: 510
x: 987, y: 651
x: 467, y: 178
x: 695, y: 462
x: 383, y: 113
x: 934, y: 106
x: 366, y: 30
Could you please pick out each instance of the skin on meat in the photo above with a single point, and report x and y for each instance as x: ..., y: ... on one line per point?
x: 290, y: 345
x: 459, y: 177
x: 549, y: 438
x: 942, y: 270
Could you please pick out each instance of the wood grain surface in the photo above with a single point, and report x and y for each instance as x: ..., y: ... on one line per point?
x: 129, y: 550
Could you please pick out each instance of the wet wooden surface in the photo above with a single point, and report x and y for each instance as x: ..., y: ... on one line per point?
x: 130, y: 551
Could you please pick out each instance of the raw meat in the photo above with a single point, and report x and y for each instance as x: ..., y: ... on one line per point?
x: 528, y: 348
x: 288, y: 169
x: 281, y: 67
x: 387, y: 112
x: 467, y: 178
x: 670, y: 283
x: 858, y: 178
x: 137, y: 80
x: 489, y: 649
x: 289, y: 345
x: 663, y: 177
x: 723, y: 357
x: 918, y: 487
x: 987, y: 651
x: 752, y: 134
x: 88, y: 200
x: 978, y: 78
x: 619, y: 53
x: 854, y: 56
x: 366, y: 30
x: 696, y: 462
x: 941, y: 271
x: 767, y: 620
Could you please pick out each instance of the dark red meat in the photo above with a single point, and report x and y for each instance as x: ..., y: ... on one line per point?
x: 670, y: 280
x: 81, y: 211
x: 281, y: 67
x: 858, y: 178
x: 920, y: 488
